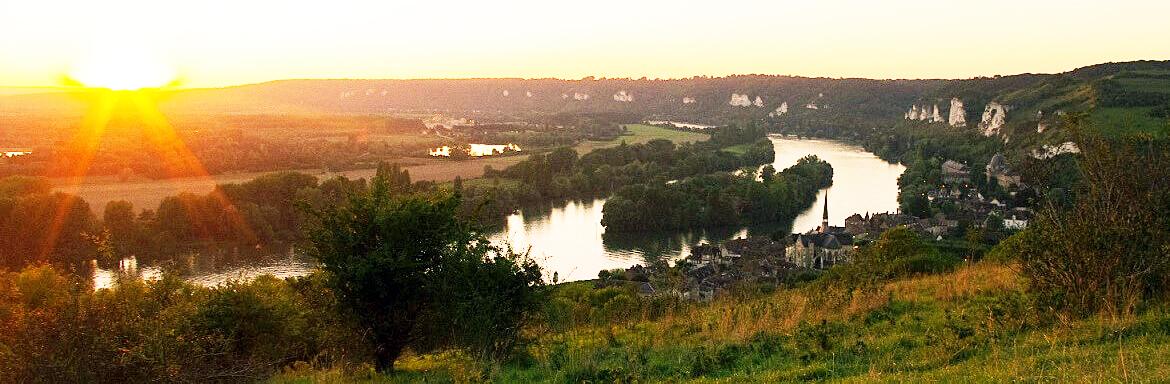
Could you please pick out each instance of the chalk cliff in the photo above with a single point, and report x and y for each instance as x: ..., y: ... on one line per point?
x: 958, y: 115
x: 994, y: 118
x: 739, y: 100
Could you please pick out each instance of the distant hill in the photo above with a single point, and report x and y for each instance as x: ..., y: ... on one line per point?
x: 1124, y: 97
x: 1131, y: 91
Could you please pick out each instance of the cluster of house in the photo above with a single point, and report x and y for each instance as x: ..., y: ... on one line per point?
x: 970, y: 204
x: 715, y: 268
x: 997, y: 170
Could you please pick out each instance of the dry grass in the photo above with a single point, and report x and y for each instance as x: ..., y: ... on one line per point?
x: 916, y: 344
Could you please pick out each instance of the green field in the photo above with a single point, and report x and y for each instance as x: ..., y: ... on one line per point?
x: 641, y: 133
x: 1124, y: 121
x: 1146, y: 84
x: 482, y: 182
x: 738, y: 149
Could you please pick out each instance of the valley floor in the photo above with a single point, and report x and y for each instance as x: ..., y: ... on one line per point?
x: 972, y: 325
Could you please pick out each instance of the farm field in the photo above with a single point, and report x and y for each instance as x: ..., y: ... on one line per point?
x: 641, y: 133
x: 99, y: 191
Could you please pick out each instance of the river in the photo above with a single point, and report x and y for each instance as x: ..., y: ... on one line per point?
x: 568, y: 240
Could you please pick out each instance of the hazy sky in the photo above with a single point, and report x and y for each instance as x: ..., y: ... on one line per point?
x: 218, y: 42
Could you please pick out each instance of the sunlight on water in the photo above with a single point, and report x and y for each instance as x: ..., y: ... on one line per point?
x: 569, y: 239
x: 477, y: 150
x: 862, y: 182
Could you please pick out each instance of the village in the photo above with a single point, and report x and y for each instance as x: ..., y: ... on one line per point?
x: 711, y: 269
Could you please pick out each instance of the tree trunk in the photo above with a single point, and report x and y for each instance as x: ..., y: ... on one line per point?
x: 385, y: 353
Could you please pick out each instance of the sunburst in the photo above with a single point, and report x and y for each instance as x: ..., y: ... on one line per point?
x: 125, y: 81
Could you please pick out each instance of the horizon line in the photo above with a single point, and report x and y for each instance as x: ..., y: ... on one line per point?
x: 586, y: 78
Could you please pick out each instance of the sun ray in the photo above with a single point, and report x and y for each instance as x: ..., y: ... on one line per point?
x: 87, y: 139
x: 181, y: 162
x: 178, y: 160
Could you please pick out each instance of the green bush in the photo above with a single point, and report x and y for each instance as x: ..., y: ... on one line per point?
x: 56, y: 328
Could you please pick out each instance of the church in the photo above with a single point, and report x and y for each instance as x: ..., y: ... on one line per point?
x: 821, y: 248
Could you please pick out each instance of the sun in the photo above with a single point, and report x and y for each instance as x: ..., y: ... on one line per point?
x: 122, y: 68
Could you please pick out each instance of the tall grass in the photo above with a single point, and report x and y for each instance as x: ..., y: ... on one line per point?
x: 974, y: 324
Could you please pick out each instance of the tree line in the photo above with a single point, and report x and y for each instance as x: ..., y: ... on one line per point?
x: 718, y: 200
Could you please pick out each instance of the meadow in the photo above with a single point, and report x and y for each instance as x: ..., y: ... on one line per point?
x: 975, y: 324
x: 1129, y: 120
x: 642, y: 133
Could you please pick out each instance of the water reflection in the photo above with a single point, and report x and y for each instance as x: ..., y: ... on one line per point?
x: 107, y: 277
x: 568, y: 239
x: 476, y: 150
x: 862, y: 182
x: 207, y: 267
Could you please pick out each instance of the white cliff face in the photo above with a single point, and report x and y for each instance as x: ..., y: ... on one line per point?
x: 958, y: 115
x: 994, y: 117
x: 688, y: 100
x: 759, y: 102
x: 936, y: 117
x: 527, y: 93
x: 580, y: 96
x: 1040, y: 126
x: 623, y: 96
x: 564, y: 96
x: 505, y: 93
x: 779, y: 111
x: 739, y: 100
x: 913, y: 113
x: 1048, y: 151
x: 811, y: 106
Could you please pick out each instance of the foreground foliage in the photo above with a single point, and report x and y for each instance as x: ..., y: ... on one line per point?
x: 416, y: 275
x: 1109, y: 251
x: 56, y: 328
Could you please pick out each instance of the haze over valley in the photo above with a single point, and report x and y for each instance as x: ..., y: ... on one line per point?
x: 527, y: 191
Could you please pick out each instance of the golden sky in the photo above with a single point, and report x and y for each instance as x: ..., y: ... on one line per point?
x: 226, y: 42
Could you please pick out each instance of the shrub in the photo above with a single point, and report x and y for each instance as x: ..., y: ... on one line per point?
x: 1109, y: 251
x: 415, y: 274
x: 56, y: 328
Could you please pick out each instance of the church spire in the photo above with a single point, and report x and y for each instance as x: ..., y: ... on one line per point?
x: 825, y: 218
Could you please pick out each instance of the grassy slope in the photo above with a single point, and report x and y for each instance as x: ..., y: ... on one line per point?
x: 972, y: 325
x: 641, y: 133
x: 1126, y: 121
